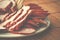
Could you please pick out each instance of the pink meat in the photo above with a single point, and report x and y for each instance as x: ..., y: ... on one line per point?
x: 17, y: 19
x: 7, y: 6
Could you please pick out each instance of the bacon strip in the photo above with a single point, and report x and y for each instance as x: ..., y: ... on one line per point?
x: 18, y: 23
x: 40, y: 21
x: 20, y: 16
x: 31, y: 22
x: 25, y: 11
x: 14, y: 18
x: 7, y: 21
x: 4, y: 18
x: 12, y: 14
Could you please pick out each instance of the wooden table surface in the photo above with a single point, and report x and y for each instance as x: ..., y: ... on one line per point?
x: 53, y: 32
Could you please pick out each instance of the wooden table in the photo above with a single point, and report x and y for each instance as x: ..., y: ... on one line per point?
x: 53, y: 32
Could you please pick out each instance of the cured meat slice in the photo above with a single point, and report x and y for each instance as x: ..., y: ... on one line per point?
x: 4, y: 16
x: 5, y: 22
x: 7, y: 6
x: 37, y: 11
x: 16, y: 20
x: 19, y: 23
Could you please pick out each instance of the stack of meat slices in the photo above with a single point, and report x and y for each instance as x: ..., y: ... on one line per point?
x: 7, y: 6
x: 26, y: 20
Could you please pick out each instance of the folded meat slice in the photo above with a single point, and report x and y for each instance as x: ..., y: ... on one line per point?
x: 4, y: 16
x: 36, y: 23
x: 7, y: 21
x: 14, y: 6
x: 37, y: 11
x: 17, y: 19
x: 38, y: 20
x: 20, y: 22
x: 8, y: 18
x: 7, y: 6
x: 32, y: 23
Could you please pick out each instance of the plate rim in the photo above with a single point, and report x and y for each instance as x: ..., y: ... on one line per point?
x: 40, y: 30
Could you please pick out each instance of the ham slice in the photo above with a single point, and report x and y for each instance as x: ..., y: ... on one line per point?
x: 7, y: 6
x: 22, y: 16
x: 20, y: 21
x: 37, y: 11
x: 16, y: 20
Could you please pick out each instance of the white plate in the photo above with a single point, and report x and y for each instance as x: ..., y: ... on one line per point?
x: 10, y: 35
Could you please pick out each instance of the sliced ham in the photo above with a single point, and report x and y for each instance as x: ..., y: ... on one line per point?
x: 7, y: 6
x: 37, y: 11
x: 19, y: 22
x: 4, y: 16
x: 38, y: 20
x: 5, y: 22
x: 16, y: 20
x: 22, y: 16
x: 32, y: 23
